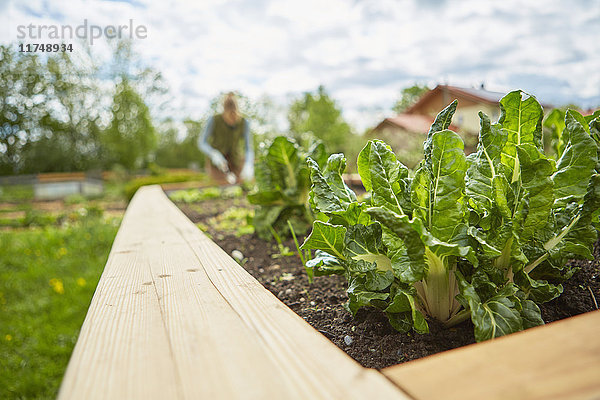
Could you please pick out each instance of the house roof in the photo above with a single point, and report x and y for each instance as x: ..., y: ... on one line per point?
x: 477, y: 95
x: 410, y: 122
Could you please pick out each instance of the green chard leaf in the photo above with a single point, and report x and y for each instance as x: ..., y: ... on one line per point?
x: 282, y: 184
x: 498, y: 316
x: 384, y: 176
x: 359, y: 296
x: 442, y: 122
x: 329, y: 194
x: 555, y: 122
x: 536, y: 172
x: 521, y: 119
x: 484, y: 180
x: 326, y: 237
x: 324, y: 264
x: 438, y: 188
x: 403, y: 314
x: 539, y: 291
x: 577, y: 162
x: 363, y: 243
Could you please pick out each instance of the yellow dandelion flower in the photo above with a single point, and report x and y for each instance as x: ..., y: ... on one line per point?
x: 8, y: 338
x: 57, y: 285
x: 62, y: 252
x: 81, y: 282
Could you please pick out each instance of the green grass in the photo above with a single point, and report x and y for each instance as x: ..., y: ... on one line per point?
x: 133, y: 185
x: 16, y: 193
x: 47, y: 278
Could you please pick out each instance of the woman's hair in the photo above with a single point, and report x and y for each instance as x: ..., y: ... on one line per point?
x: 231, y: 113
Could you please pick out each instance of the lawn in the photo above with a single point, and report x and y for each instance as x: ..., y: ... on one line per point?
x: 47, y: 279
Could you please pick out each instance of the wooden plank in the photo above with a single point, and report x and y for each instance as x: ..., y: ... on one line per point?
x: 122, y: 351
x: 222, y: 340
x: 560, y: 360
x: 61, y: 176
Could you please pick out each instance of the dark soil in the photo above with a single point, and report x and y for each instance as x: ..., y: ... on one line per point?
x: 368, y: 338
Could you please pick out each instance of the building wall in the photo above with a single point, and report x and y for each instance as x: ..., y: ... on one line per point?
x: 467, y: 117
x: 407, y: 145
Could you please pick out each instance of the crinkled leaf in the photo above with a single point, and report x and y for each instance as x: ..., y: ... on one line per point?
x: 402, y: 309
x: 416, y: 238
x: 353, y: 215
x: 536, y: 172
x: 442, y: 122
x: 495, y: 317
x: 284, y: 159
x: 359, y: 296
x: 384, y: 176
x: 364, y: 243
x: 318, y: 153
x: 378, y: 280
x: 577, y: 162
x: 402, y: 322
x: 322, y: 197
x: 329, y: 194
x: 483, y: 169
x: 335, y: 167
x: 324, y: 264
x: 530, y: 314
x: 521, y: 119
x: 539, y: 291
x: 438, y: 188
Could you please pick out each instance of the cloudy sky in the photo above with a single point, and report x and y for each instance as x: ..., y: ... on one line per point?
x: 363, y: 51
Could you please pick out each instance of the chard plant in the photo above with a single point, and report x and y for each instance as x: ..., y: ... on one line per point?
x: 477, y: 237
x: 282, y: 186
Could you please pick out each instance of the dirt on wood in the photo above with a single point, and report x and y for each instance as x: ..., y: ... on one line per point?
x: 368, y: 337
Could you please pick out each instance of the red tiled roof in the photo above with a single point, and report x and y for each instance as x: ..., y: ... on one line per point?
x: 411, y: 122
x: 478, y: 95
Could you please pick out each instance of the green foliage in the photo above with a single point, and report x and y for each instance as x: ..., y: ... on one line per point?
x: 233, y: 221
x: 53, y: 116
x: 173, y: 152
x: 200, y: 195
x: 47, y: 278
x: 409, y: 96
x: 48, y: 113
x: 132, y: 186
x: 282, y: 185
x: 131, y: 136
x: 318, y: 113
x: 478, y: 236
x: 16, y: 193
x: 554, y: 124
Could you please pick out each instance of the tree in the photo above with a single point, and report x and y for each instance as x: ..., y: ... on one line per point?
x: 71, y: 140
x: 174, y: 152
x: 131, y: 138
x: 22, y: 105
x: 409, y: 96
x: 318, y: 113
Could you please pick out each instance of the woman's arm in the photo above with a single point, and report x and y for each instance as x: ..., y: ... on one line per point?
x: 249, y: 156
x: 215, y: 155
x: 203, y: 139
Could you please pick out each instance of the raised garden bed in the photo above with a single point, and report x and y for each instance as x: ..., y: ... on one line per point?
x: 368, y: 338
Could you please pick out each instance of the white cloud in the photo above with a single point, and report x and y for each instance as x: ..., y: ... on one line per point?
x: 365, y: 51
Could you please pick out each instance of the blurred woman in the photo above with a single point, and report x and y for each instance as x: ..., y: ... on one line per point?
x: 227, y: 142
